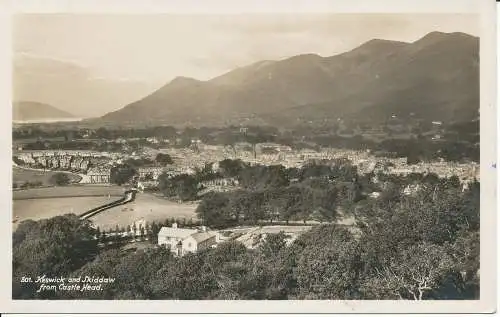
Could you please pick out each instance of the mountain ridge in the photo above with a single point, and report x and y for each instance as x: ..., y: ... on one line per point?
x: 31, y: 110
x: 436, y: 77
x: 71, y: 87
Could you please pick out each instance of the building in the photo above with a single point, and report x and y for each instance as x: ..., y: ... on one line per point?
x: 182, y: 241
x: 150, y: 172
x: 99, y: 175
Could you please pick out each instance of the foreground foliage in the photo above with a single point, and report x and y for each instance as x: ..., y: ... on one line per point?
x: 417, y: 247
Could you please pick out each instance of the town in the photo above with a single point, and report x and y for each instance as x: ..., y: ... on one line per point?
x: 150, y: 164
x: 95, y: 167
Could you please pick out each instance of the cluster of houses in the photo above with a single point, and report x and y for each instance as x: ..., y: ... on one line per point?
x: 187, y: 159
x: 150, y: 172
x: 218, y: 185
x: 76, y: 162
x: 97, y: 165
x: 99, y: 175
x: 181, y: 241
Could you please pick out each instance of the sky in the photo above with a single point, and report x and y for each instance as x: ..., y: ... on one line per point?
x: 157, y: 48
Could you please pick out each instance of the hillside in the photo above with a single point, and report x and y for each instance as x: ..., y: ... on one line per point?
x: 29, y: 111
x: 71, y: 87
x: 433, y: 78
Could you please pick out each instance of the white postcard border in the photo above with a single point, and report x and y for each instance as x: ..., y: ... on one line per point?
x: 489, y: 253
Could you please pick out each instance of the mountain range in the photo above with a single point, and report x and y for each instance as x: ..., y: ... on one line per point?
x: 32, y: 111
x: 434, y: 78
x: 72, y: 87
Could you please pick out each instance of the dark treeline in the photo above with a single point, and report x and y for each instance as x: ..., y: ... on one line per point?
x: 128, y: 170
x: 318, y: 191
x: 274, y: 193
x: 417, y: 247
x: 99, y: 146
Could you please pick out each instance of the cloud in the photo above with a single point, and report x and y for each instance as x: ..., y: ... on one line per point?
x: 160, y: 47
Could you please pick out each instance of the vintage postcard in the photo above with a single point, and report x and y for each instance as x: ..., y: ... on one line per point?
x: 249, y: 157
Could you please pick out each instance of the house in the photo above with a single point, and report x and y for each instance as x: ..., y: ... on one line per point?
x: 153, y: 140
x: 150, y: 172
x: 181, y: 241
x: 374, y: 195
x: 99, y: 175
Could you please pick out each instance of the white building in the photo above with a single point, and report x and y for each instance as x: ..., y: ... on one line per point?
x: 182, y: 241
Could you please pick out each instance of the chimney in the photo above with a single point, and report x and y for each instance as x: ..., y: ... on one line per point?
x: 174, y: 225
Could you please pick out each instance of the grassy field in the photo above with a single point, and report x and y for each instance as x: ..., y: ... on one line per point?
x: 37, y: 209
x: 21, y: 175
x: 147, y: 207
x: 68, y: 191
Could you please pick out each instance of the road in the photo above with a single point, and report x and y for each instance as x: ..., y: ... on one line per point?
x: 127, y: 198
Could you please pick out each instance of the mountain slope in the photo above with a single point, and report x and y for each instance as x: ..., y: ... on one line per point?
x: 28, y: 110
x: 434, y: 78
x: 71, y: 87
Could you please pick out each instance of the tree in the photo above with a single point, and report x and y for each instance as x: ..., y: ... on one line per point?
x: 465, y: 253
x: 183, y: 186
x: 215, y: 210
x: 273, y: 244
x: 122, y: 174
x: 60, y: 179
x: 141, y: 230
x: 134, y: 229
x: 415, y: 274
x: 163, y: 159
x: 262, y: 177
x: 329, y: 265
x: 153, y: 233
x: 52, y: 247
x: 103, y: 236
x: 231, y: 168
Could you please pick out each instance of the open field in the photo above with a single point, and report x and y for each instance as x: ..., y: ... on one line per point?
x: 68, y: 191
x: 147, y: 207
x: 37, y: 209
x: 22, y: 175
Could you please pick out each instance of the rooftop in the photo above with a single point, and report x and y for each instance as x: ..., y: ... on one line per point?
x: 202, y: 236
x: 176, y: 232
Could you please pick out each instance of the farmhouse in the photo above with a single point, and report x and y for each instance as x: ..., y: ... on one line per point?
x: 183, y: 241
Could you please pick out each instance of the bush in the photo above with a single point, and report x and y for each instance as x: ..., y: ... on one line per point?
x: 164, y: 159
x: 122, y: 174
x: 60, y: 179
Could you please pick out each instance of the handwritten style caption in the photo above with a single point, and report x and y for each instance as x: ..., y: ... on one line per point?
x: 80, y: 283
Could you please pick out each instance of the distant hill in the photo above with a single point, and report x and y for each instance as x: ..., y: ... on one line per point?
x: 72, y: 87
x: 433, y: 78
x: 29, y: 111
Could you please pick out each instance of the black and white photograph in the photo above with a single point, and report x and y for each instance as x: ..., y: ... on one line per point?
x: 251, y: 156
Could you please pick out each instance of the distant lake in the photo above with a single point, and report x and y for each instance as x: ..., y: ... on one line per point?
x: 48, y: 120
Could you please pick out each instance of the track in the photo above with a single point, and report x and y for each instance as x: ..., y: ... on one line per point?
x: 127, y: 198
